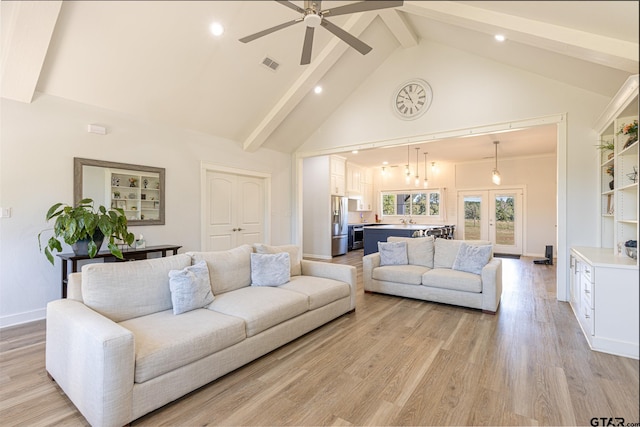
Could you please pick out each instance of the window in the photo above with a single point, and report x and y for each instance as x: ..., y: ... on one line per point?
x: 419, y: 203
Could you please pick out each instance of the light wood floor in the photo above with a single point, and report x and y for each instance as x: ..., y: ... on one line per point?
x: 394, y: 361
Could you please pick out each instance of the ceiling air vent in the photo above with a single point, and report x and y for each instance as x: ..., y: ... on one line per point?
x: 270, y: 63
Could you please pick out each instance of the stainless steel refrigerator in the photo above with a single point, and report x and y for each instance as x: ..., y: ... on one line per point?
x: 339, y: 227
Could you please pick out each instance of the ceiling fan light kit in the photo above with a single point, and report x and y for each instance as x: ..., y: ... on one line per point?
x: 313, y: 16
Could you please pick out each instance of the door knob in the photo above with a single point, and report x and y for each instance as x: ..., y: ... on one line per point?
x: 235, y: 229
x: 239, y: 229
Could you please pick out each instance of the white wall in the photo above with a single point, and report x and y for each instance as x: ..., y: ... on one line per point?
x: 37, y: 144
x: 317, y: 208
x: 537, y: 175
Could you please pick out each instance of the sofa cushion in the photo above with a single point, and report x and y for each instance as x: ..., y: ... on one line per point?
x: 446, y: 251
x: 190, y: 288
x: 124, y: 290
x: 270, y: 269
x: 471, y: 258
x: 228, y: 270
x: 407, y: 274
x: 292, y: 250
x: 419, y: 249
x: 261, y: 307
x: 165, y: 342
x: 393, y: 253
x: 319, y: 290
x: 452, y: 279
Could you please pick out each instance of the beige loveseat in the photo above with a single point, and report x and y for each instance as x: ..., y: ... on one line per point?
x: 429, y: 274
x: 118, y: 351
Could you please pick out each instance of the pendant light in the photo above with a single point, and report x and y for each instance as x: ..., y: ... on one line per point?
x: 495, y: 175
x: 425, y: 183
x: 407, y: 172
x: 417, y: 181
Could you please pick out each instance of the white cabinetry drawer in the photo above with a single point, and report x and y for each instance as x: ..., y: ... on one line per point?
x: 587, y: 272
x: 587, y: 291
x: 587, y: 316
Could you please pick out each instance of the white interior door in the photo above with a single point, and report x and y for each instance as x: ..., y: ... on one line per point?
x: 235, y: 211
x: 494, y: 215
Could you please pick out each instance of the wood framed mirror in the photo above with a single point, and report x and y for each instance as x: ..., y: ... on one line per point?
x: 138, y: 190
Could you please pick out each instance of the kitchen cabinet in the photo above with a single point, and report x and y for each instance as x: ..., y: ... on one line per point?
x: 338, y: 175
x: 354, y: 180
x: 360, y: 186
x: 604, y: 297
x: 367, y: 190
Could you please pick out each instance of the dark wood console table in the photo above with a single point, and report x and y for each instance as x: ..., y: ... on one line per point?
x: 128, y: 254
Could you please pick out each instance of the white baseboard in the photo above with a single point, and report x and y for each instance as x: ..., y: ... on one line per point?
x: 316, y: 256
x: 20, y: 318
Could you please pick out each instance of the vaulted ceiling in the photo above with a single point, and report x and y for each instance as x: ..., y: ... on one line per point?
x: 157, y: 60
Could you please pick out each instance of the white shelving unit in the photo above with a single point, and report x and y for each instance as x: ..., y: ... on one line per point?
x: 604, y: 280
x: 137, y: 195
x: 619, y: 193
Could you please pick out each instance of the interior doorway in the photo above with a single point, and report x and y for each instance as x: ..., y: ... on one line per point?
x: 493, y: 215
x: 234, y: 208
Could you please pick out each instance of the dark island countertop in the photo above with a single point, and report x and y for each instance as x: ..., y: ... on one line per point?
x: 380, y: 233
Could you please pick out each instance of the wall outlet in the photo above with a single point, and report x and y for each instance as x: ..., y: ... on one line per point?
x: 5, y: 212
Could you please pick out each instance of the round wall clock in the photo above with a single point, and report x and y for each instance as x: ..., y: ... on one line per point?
x: 412, y: 99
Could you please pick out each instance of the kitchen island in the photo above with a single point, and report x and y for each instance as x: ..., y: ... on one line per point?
x: 379, y: 233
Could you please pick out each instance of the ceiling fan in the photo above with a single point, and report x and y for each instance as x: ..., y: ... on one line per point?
x: 313, y: 16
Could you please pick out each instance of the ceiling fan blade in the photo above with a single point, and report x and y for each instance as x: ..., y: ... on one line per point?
x: 306, y: 47
x: 362, y: 6
x: 291, y: 5
x: 352, y: 41
x: 257, y: 35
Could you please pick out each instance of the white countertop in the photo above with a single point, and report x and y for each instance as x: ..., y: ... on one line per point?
x: 405, y: 227
x: 605, y: 257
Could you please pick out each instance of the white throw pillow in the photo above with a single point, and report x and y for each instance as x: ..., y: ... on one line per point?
x: 228, y: 270
x: 270, y: 269
x: 419, y: 249
x: 293, y: 250
x: 393, y: 253
x: 472, y: 258
x: 190, y: 288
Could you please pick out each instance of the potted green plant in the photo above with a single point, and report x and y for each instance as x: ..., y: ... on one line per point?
x: 84, y: 228
x: 607, y: 146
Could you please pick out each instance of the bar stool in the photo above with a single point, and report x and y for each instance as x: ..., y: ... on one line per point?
x: 436, y: 233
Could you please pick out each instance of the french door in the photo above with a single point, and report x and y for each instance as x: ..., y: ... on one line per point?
x: 234, y: 211
x: 493, y: 215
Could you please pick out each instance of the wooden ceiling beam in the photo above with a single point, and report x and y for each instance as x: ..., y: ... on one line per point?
x: 614, y: 53
x: 319, y: 66
x: 400, y: 27
x: 24, y: 48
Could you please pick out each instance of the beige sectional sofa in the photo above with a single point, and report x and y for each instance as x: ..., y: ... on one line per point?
x: 118, y: 351
x: 429, y: 274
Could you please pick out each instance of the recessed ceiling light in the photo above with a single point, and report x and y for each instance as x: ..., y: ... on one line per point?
x: 354, y: 151
x: 385, y: 163
x: 500, y: 37
x: 216, y: 29
x: 317, y: 89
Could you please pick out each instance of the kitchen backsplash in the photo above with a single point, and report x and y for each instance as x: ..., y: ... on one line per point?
x: 355, y: 218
